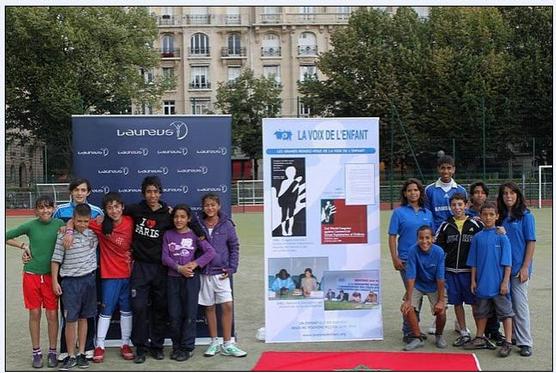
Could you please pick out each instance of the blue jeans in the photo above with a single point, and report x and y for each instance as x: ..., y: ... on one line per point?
x: 183, y: 299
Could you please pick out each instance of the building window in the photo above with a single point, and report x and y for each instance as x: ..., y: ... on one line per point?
x: 168, y: 72
x: 307, y: 72
x: 234, y: 44
x: 167, y: 17
x: 199, y: 45
x: 169, y: 107
x: 200, y: 105
x: 12, y: 174
x: 233, y: 73
x: 199, y: 77
x: 303, y: 110
x: 148, y: 75
x: 168, y: 46
x: 307, y: 13
x: 199, y: 15
x: 232, y: 15
x: 146, y: 109
x: 271, y: 45
x: 272, y: 72
x: 271, y: 14
x: 343, y: 12
x: 307, y: 44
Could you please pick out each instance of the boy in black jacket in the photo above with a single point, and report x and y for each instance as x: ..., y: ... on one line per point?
x: 454, y: 236
x: 148, y: 278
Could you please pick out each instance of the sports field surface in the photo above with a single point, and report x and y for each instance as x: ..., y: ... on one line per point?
x: 249, y: 316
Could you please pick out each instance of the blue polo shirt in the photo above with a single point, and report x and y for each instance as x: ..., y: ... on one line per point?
x: 404, y: 222
x: 438, y: 200
x: 519, y: 232
x: 471, y: 212
x: 425, y: 267
x: 65, y: 211
x: 489, y: 254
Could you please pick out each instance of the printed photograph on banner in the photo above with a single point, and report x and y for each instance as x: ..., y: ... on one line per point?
x: 296, y: 278
x: 341, y: 223
x: 351, y: 290
x: 288, y: 197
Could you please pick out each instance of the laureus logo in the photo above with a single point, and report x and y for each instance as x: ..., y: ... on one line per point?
x: 103, y: 189
x: 181, y: 129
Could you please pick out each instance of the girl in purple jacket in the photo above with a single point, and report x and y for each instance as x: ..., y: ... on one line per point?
x: 179, y: 247
x: 215, y: 281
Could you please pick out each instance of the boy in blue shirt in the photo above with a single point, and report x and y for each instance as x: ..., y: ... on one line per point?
x: 490, y: 259
x: 439, y: 193
x: 425, y: 277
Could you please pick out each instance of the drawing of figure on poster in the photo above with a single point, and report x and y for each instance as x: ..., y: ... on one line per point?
x: 288, y: 192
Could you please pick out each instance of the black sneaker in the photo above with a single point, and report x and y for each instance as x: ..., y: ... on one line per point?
x: 139, y: 358
x: 174, y: 354
x: 157, y: 353
x: 69, y: 362
x: 526, y: 351
x: 497, y: 337
x: 181, y: 355
x: 505, y: 349
x: 82, y: 362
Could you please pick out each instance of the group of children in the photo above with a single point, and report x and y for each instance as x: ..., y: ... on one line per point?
x: 454, y: 252
x: 156, y: 264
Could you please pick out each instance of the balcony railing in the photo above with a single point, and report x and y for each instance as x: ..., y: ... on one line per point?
x: 166, y: 20
x: 198, y: 19
x: 271, y: 51
x: 307, y: 50
x: 271, y: 18
x: 232, y: 19
x: 234, y: 52
x: 199, y: 52
x: 199, y: 85
x: 169, y: 52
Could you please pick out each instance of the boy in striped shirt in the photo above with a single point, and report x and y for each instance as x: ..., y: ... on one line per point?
x: 77, y: 267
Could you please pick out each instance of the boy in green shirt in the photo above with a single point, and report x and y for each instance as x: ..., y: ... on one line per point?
x: 37, y: 281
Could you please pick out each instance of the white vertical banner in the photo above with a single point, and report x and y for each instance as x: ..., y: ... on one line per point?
x: 321, y: 229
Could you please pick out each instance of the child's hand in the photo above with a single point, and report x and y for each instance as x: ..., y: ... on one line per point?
x: 406, y: 307
x: 523, y: 274
x: 398, y: 264
x: 504, y: 288
x: 68, y: 241
x: 473, y: 287
x: 224, y: 274
x: 26, y: 256
x: 56, y: 288
x: 439, y: 308
x: 99, y: 219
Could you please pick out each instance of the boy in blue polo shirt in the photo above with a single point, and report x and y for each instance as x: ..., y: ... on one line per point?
x: 439, y: 192
x: 490, y: 259
x: 425, y: 277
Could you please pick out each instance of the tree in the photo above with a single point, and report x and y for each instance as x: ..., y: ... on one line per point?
x: 63, y: 61
x: 249, y: 99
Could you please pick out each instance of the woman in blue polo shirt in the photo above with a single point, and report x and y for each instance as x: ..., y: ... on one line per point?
x: 519, y: 223
x: 404, y: 223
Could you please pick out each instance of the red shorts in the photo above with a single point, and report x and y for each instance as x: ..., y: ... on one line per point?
x: 37, y: 292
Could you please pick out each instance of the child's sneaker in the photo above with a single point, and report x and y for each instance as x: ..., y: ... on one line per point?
x: 213, y: 349
x: 232, y: 350
x: 82, y: 361
x: 126, y: 352
x: 505, y: 349
x: 62, y: 357
x: 440, y: 342
x: 479, y: 343
x: 37, y: 360
x: 98, y: 356
x: 432, y: 328
x: 52, y: 360
x: 461, y: 340
x: 413, y: 344
x: 89, y: 354
x: 69, y: 362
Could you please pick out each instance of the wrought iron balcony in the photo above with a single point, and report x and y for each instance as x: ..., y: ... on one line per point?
x: 307, y: 50
x: 199, y: 52
x: 271, y: 18
x: 169, y: 52
x: 199, y: 85
x: 234, y: 52
x: 198, y: 19
x: 271, y: 51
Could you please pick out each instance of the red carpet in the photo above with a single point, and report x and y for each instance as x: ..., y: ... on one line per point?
x: 365, y: 361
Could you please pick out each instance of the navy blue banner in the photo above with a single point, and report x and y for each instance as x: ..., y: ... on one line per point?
x: 190, y: 154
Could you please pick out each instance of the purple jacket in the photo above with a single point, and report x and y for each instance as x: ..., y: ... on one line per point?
x: 180, y: 248
x: 226, y: 243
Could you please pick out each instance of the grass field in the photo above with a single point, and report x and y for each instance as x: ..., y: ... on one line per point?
x: 249, y: 306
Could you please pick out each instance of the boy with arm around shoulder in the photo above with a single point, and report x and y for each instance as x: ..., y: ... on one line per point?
x: 77, y: 267
x: 491, y: 262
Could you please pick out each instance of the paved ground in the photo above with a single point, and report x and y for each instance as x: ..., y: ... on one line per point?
x: 250, y: 312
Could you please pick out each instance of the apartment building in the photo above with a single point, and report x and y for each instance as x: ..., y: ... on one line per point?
x: 201, y: 46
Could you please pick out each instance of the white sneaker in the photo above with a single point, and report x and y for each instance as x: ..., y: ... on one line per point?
x: 213, y: 349
x: 232, y: 350
x: 432, y: 328
x: 89, y: 354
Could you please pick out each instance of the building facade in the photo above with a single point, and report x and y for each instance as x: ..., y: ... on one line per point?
x: 201, y: 46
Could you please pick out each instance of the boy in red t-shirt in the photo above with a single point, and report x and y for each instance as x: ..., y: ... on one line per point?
x: 114, y: 234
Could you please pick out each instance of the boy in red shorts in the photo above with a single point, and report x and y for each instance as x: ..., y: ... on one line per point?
x: 37, y: 281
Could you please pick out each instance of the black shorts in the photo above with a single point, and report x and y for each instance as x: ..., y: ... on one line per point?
x: 79, y: 295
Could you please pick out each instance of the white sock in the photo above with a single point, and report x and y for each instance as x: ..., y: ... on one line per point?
x: 126, y: 321
x: 228, y: 343
x: 102, y: 329
x: 213, y: 340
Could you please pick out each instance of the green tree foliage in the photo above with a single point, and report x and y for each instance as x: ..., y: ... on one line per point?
x: 441, y: 76
x: 63, y: 61
x: 249, y: 99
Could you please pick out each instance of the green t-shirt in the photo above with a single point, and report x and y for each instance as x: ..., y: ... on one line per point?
x: 42, y: 239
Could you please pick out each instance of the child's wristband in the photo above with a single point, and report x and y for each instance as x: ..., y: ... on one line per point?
x: 69, y: 232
